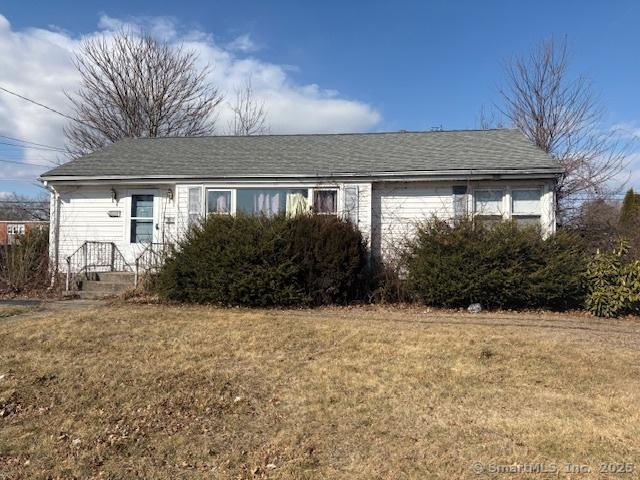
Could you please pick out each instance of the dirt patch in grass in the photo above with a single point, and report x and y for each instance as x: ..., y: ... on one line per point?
x: 122, y: 390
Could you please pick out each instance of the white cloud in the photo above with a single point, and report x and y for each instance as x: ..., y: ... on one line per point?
x: 38, y: 63
x: 243, y: 43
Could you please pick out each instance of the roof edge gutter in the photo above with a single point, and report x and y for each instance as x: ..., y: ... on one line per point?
x: 546, y: 172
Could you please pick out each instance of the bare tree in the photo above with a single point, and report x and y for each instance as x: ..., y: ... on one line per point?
x: 23, y: 207
x: 489, y: 119
x: 249, y: 114
x: 137, y: 86
x: 562, y: 116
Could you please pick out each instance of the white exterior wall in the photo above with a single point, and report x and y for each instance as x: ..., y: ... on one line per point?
x: 83, y: 214
x: 398, y: 207
x: 387, y: 212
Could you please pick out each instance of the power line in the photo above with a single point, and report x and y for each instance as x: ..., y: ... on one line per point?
x: 32, y: 143
x: 48, y: 149
x: 6, y: 160
x: 42, y: 105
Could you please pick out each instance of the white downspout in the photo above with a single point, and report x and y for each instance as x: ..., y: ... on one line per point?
x: 54, y: 233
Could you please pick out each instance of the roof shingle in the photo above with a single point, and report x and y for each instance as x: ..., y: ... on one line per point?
x: 311, y: 155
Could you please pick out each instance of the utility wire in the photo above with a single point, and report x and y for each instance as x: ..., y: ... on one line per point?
x: 48, y: 149
x: 32, y: 143
x: 42, y: 105
x: 6, y: 160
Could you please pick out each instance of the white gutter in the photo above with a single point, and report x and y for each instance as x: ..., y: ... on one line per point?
x: 440, y: 174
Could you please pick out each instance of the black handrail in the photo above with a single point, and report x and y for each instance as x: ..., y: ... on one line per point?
x: 151, y: 259
x: 93, y: 256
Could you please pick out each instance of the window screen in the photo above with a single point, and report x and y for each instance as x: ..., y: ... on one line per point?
x: 195, y: 205
x: 488, y: 202
x: 526, y: 201
x: 351, y: 203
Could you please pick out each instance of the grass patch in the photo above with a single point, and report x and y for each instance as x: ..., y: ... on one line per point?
x: 11, y: 310
x: 198, y: 392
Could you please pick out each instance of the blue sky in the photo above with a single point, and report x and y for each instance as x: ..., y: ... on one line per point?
x: 379, y: 65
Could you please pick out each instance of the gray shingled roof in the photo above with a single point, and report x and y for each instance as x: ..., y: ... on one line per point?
x: 312, y: 155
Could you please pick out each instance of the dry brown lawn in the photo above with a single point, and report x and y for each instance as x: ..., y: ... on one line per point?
x: 125, y: 390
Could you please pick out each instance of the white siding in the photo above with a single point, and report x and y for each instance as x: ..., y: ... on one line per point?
x: 387, y: 212
x: 364, y: 208
x: 398, y: 207
x: 84, y: 215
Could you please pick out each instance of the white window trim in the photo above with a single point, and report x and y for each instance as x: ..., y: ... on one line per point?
x: 129, y: 217
x: 232, y: 207
x: 312, y: 192
x: 506, y: 200
x: 527, y: 214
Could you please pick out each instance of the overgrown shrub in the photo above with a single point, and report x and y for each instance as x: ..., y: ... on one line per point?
x: 504, y: 266
x: 613, y: 283
x: 331, y: 258
x: 24, y: 265
x: 259, y: 261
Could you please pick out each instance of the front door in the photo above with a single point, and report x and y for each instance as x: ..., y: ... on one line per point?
x: 144, y: 220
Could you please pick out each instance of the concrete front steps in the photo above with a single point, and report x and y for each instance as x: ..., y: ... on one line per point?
x: 105, y: 284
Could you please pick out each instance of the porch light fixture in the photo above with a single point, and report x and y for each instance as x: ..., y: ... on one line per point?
x: 170, y: 194
x: 114, y: 195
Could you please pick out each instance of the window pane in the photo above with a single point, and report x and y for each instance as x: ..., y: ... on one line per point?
x: 526, y: 201
x: 528, y: 220
x: 351, y: 194
x: 265, y: 201
x: 142, y: 206
x: 488, y: 202
x: 141, y: 231
x: 194, y: 205
x: 218, y: 201
x: 325, y: 201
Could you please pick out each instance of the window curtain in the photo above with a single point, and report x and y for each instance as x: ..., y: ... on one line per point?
x: 266, y: 203
x: 296, y: 204
x: 325, y: 201
x: 218, y: 201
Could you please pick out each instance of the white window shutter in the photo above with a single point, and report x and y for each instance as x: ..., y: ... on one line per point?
x: 351, y: 194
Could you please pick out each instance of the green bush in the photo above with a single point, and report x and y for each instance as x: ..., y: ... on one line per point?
x: 259, y: 261
x: 503, y: 266
x: 331, y: 257
x: 24, y: 265
x: 613, y: 284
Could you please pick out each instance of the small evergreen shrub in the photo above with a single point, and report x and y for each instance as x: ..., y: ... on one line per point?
x: 613, y: 284
x: 258, y: 261
x: 503, y: 266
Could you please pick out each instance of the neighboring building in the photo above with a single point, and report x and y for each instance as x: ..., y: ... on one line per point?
x: 12, y: 230
x: 138, y: 191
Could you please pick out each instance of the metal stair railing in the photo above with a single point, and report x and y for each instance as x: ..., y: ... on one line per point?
x: 151, y: 259
x: 93, y: 257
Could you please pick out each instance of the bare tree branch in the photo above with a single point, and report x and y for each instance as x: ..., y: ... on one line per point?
x: 563, y: 117
x: 249, y: 114
x: 23, y: 207
x: 137, y: 86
